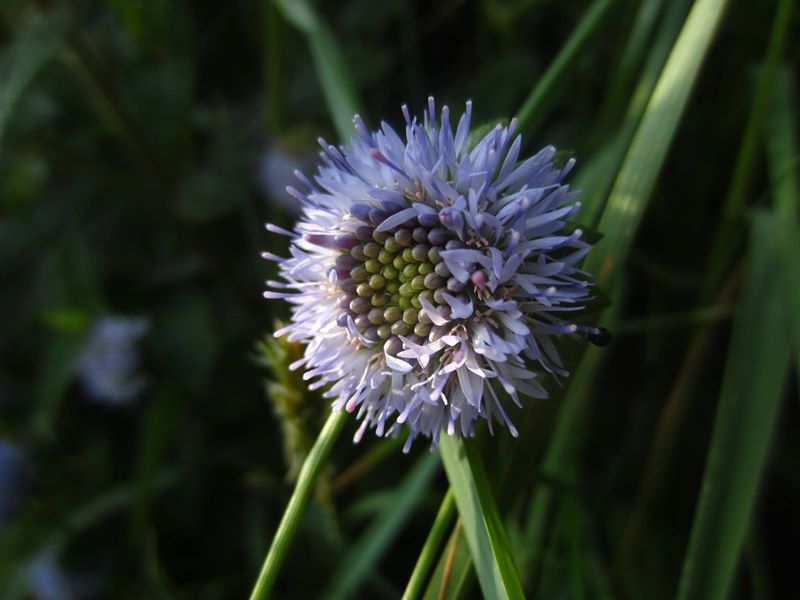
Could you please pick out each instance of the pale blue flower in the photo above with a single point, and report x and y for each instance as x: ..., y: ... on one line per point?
x: 12, y: 480
x: 430, y: 278
x: 108, y: 365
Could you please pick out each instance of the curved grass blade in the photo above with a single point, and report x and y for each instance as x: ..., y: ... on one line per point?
x: 364, y: 555
x: 620, y: 221
x: 483, y: 527
x: 297, y: 504
x: 430, y: 550
x: 755, y: 374
x: 334, y: 77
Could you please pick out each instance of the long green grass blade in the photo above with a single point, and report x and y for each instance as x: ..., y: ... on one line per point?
x: 337, y: 84
x: 533, y: 109
x: 755, y: 374
x: 597, y: 177
x: 364, y: 555
x: 36, y: 42
x: 782, y: 160
x: 619, y: 223
x: 430, y: 550
x: 483, y: 527
x: 725, y: 241
x: 644, y: 160
x: 297, y: 504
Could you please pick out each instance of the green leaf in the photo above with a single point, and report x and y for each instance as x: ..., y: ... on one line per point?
x: 483, y: 527
x: 364, y: 555
x: 755, y: 374
x: 727, y: 235
x: 644, y: 160
x: 37, y: 41
x: 533, y: 109
x: 337, y: 84
x: 782, y: 153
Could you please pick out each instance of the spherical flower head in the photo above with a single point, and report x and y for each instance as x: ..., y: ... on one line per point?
x: 428, y: 278
x: 108, y: 365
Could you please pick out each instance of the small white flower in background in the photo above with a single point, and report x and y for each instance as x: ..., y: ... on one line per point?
x: 108, y: 365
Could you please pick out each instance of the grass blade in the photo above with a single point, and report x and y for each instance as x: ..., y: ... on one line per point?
x: 755, y: 373
x: 334, y: 77
x: 620, y: 221
x: 364, y: 555
x: 483, y: 528
x: 533, y: 109
x: 644, y: 160
x: 297, y: 504
x: 782, y: 157
x: 725, y: 241
x: 430, y: 550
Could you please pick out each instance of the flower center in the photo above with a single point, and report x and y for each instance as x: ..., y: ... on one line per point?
x: 384, y: 275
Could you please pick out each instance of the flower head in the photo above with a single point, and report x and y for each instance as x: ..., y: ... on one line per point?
x: 428, y: 276
x: 107, y: 366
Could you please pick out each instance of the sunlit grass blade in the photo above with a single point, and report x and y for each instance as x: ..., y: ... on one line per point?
x: 297, y: 504
x: 429, y: 552
x: 728, y: 232
x: 364, y: 555
x: 619, y: 223
x: 597, y: 176
x: 782, y: 160
x: 483, y: 527
x: 532, y: 111
x: 34, y: 45
x: 337, y: 84
x: 644, y: 160
x: 755, y: 375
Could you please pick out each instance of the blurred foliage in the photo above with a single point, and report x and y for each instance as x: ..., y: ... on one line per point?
x: 143, y: 143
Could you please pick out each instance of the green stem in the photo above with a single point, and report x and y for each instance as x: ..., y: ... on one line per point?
x: 297, y: 504
x: 430, y: 551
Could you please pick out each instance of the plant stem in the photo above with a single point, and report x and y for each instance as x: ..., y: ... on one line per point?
x: 430, y: 549
x: 297, y: 504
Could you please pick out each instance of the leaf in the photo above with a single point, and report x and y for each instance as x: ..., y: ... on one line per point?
x: 533, y: 109
x: 483, y: 527
x: 727, y: 234
x: 782, y: 153
x: 364, y: 555
x: 337, y: 84
x: 755, y: 374
x: 37, y: 41
x: 648, y: 150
